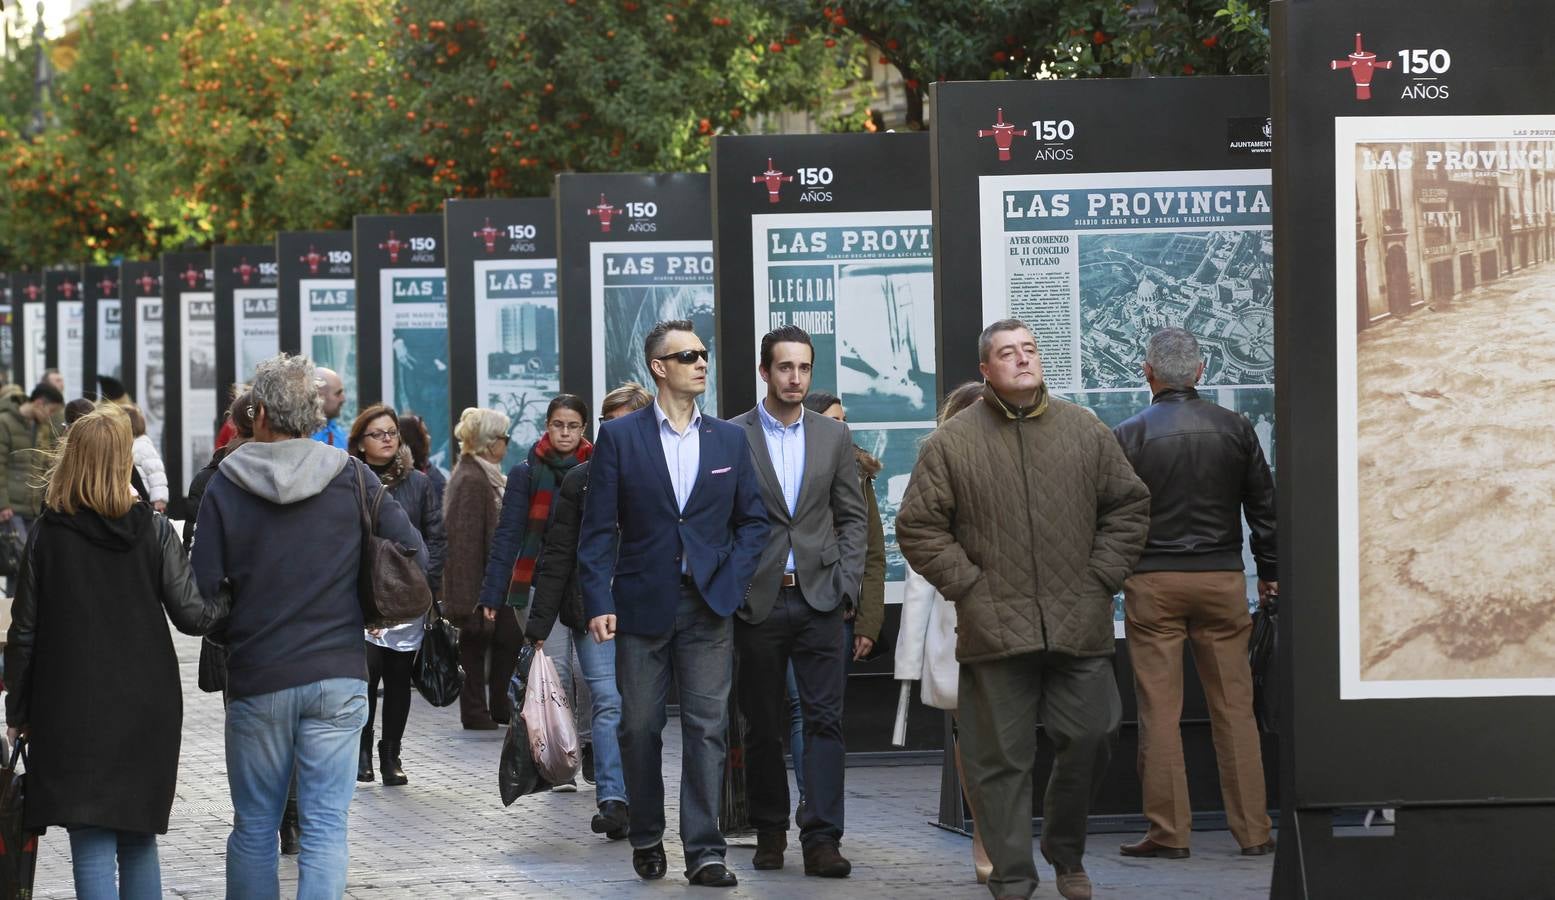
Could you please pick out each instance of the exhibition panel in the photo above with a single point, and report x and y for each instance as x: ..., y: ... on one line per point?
x: 632, y: 250
x: 402, y: 321
x: 62, y: 291
x: 504, y: 324
x: 247, y: 329
x: 189, y: 336
x: 141, y: 346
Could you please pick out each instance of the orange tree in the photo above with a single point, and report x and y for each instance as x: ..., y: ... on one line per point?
x: 959, y: 40
x: 496, y: 96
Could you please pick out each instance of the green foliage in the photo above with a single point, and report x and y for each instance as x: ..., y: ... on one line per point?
x: 499, y: 95
x: 968, y: 40
x: 187, y: 122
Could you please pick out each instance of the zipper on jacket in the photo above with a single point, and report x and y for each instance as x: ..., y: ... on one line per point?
x: 1031, y: 528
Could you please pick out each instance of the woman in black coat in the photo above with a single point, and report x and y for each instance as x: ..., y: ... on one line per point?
x: 93, y: 678
x: 375, y: 439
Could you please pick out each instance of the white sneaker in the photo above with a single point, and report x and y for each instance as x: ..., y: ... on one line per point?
x: 566, y: 787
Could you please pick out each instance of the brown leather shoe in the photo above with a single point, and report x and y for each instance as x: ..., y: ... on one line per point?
x: 1074, y: 885
x: 1263, y: 849
x: 769, y: 849
x: 1146, y: 847
x: 824, y: 860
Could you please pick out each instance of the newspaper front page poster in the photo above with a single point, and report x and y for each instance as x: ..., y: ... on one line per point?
x: 517, y: 341
x: 636, y: 285
x: 1094, y: 264
x: 415, y: 351
x: 862, y: 285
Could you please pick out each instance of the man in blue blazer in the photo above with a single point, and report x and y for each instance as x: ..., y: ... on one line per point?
x: 681, y: 489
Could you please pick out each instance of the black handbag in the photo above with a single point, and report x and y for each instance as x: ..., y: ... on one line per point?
x: 435, y: 669
x: 1263, y: 659
x: 18, y: 844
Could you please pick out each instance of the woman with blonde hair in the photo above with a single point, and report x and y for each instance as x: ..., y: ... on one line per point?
x: 93, y: 678
x: 471, y: 508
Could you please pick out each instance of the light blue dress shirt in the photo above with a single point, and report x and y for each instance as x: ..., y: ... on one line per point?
x: 785, y: 447
x: 682, y: 454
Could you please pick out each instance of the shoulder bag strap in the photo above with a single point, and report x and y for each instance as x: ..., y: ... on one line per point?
x: 361, y: 498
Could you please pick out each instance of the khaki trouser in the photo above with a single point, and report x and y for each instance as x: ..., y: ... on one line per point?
x: 1000, y: 704
x: 1210, y: 610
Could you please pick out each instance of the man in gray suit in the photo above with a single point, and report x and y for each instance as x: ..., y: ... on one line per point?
x: 808, y: 575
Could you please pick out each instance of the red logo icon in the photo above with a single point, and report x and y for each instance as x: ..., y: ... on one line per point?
x: 605, y: 212
x: 1003, y: 134
x: 68, y: 289
x: 108, y: 287
x: 773, y: 178
x: 312, y: 258
x: 148, y: 283
x: 1361, y: 63
x: 190, y: 277
x: 243, y: 270
x: 394, y: 245
x: 488, y: 234
x: 31, y: 291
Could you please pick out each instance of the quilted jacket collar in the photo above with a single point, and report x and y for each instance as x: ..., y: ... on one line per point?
x: 995, y: 401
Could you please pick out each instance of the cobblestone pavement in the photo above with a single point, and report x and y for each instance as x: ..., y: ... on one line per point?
x: 447, y: 835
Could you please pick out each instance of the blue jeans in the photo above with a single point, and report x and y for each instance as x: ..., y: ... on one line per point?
x: 314, y: 728
x: 699, y: 651
x: 796, y: 712
x: 96, y: 852
x: 598, y: 662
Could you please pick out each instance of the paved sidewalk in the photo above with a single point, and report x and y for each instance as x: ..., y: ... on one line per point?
x: 447, y: 835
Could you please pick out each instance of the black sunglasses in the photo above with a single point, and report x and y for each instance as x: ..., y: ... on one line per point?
x: 685, y: 357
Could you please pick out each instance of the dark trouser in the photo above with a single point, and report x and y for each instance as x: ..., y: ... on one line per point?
x: 813, y: 641
x: 1208, y: 609
x: 485, y: 693
x: 999, y: 705
x: 392, y: 668
x: 699, y: 651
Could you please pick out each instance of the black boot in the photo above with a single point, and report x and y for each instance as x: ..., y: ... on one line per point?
x: 291, y: 834
x: 389, y: 764
x: 364, y: 759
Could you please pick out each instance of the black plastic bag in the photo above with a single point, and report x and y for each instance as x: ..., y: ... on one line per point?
x: 18, y: 845
x: 1263, y: 658
x: 517, y: 775
x: 435, y: 670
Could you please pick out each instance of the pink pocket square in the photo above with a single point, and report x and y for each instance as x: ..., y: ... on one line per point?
x: 725, y: 470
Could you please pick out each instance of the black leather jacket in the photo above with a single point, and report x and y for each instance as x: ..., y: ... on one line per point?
x: 1205, y: 469
x: 556, y: 571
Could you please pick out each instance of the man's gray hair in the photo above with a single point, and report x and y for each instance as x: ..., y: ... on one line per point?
x: 985, y: 340
x: 1174, y: 358
x: 285, y: 388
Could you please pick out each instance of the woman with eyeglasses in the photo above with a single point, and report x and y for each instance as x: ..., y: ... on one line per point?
x: 527, y: 507
x: 375, y: 439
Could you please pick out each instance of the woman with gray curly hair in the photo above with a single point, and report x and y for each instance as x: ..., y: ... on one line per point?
x: 472, y: 505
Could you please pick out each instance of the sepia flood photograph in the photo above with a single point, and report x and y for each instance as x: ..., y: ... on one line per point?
x: 1455, y: 411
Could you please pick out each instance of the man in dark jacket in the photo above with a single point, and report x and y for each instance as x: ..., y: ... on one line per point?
x: 1023, y: 511
x: 676, y: 491
x: 1205, y: 469
x: 556, y: 593
x: 281, y: 520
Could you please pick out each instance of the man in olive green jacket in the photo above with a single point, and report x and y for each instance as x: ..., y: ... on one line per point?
x: 1024, y: 512
x: 27, y: 433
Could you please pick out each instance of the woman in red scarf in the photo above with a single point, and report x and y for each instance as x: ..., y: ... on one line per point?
x: 526, y: 512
